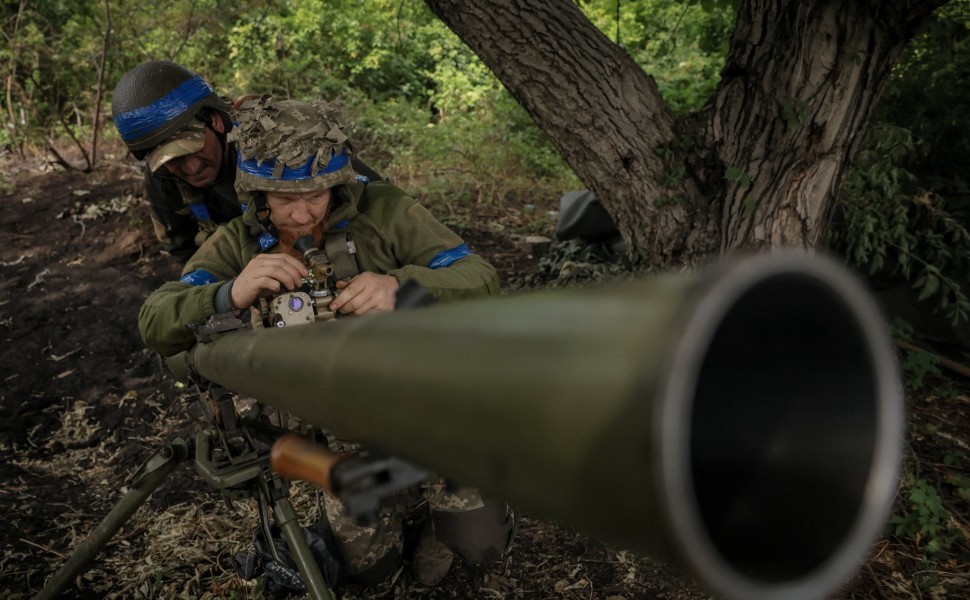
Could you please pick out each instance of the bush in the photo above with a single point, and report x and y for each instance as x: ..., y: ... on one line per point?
x: 892, y: 224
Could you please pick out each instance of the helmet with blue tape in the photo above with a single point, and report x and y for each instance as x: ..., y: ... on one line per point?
x: 289, y: 146
x: 156, y: 100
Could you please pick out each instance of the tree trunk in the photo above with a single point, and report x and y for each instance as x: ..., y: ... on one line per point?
x: 798, y: 87
x: 96, y: 117
x: 758, y: 167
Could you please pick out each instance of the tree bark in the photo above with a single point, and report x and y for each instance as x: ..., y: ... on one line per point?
x: 759, y: 167
x: 797, y: 90
x: 99, y: 94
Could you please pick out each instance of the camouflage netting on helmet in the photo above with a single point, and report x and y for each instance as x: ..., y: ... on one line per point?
x: 290, y: 146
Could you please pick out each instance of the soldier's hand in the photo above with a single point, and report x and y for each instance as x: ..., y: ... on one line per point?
x: 265, y: 275
x: 367, y: 292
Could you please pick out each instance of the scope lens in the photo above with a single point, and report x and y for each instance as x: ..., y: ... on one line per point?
x: 296, y: 303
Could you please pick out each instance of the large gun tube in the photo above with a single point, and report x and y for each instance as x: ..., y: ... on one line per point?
x: 744, y: 420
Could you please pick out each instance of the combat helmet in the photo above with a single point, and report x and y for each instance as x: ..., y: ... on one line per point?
x: 289, y: 146
x: 156, y: 99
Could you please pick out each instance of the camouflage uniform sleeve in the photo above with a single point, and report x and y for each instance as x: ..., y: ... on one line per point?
x: 174, y: 225
x: 435, y: 256
x: 167, y: 313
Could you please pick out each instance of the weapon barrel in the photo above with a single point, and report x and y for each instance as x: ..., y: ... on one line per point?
x: 744, y: 420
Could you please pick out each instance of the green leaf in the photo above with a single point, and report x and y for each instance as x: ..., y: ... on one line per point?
x: 932, y: 284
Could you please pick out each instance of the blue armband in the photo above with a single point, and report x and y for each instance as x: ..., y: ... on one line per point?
x: 448, y: 257
x: 199, y: 277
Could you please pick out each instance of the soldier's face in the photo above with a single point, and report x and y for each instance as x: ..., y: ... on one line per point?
x: 298, y: 212
x: 200, y: 169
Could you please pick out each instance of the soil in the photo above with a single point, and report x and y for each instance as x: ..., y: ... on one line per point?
x: 82, y: 404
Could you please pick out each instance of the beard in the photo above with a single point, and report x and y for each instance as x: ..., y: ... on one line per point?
x: 289, y: 235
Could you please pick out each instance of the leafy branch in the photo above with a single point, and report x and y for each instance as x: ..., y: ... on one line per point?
x: 891, y: 225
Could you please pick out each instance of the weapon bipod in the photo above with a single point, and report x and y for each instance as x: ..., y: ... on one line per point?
x: 229, y: 457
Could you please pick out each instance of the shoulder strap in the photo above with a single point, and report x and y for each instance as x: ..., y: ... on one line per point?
x: 342, y: 252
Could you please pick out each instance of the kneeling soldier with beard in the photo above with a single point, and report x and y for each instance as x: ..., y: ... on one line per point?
x: 295, y: 178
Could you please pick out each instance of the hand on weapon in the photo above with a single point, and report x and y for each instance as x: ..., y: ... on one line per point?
x: 367, y: 292
x: 265, y: 275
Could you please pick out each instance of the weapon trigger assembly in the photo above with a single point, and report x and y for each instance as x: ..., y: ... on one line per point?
x: 359, y: 482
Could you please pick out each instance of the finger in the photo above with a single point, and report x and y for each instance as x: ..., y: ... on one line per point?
x: 345, y: 303
x: 348, y: 292
x: 268, y: 285
x: 279, y: 261
x: 288, y: 272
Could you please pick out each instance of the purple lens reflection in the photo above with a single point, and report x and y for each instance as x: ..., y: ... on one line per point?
x: 296, y: 303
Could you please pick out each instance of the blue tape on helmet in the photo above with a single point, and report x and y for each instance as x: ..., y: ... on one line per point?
x: 265, y: 170
x: 199, y: 277
x: 448, y: 257
x: 143, y: 120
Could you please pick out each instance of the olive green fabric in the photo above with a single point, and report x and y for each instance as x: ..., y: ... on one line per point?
x: 394, y: 235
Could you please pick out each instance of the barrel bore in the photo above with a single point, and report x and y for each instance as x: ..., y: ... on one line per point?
x: 788, y: 432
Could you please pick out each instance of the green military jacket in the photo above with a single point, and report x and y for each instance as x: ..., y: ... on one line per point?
x: 393, y: 234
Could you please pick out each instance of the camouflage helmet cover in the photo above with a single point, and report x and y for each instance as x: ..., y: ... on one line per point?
x: 155, y: 100
x: 289, y: 146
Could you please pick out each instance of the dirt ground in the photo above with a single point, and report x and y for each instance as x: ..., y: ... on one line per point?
x: 82, y: 404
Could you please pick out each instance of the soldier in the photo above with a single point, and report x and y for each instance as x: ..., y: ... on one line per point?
x: 172, y: 119
x: 295, y: 177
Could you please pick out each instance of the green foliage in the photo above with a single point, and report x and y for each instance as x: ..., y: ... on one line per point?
x: 382, y: 48
x: 42, y: 39
x: 926, y: 93
x: 891, y: 224
x: 495, y: 150
x: 682, y: 44
x: 907, y: 199
x: 924, y: 520
x: 901, y: 329
x: 918, y: 363
x: 917, y: 366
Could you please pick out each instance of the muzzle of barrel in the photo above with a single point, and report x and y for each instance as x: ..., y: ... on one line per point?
x: 744, y: 420
x: 781, y: 429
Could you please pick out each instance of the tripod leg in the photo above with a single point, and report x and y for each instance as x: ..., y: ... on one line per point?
x: 151, y: 474
x: 302, y: 555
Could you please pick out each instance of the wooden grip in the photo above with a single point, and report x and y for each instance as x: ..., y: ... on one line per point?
x: 295, y: 457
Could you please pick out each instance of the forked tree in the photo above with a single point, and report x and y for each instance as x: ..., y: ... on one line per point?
x: 759, y: 166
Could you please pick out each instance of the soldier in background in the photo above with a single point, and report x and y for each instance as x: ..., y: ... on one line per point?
x: 295, y: 177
